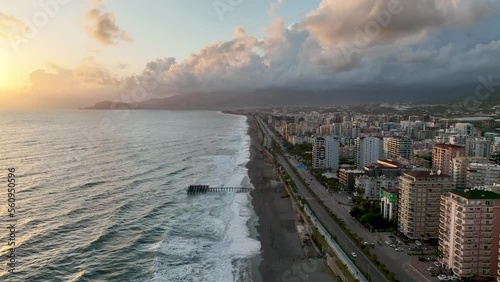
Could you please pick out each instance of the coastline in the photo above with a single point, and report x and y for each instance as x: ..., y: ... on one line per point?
x: 281, y: 251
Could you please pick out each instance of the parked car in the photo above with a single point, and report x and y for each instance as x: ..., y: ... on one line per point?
x: 437, y: 264
x: 417, y: 242
x: 392, y: 246
x: 353, y: 254
x: 388, y: 242
x: 442, y: 277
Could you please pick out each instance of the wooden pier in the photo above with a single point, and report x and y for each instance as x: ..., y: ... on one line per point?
x: 201, y: 189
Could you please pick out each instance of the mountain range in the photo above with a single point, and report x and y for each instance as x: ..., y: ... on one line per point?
x: 288, y: 97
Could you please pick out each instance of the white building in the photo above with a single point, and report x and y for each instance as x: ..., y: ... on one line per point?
x: 482, y: 174
x: 325, y: 152
x: 367, y: 150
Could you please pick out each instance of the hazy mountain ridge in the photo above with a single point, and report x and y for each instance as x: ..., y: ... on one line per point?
x: 287, y: 97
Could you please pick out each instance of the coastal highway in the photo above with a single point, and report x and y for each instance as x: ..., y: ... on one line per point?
x: 330, y: 225
x: 395, y: 262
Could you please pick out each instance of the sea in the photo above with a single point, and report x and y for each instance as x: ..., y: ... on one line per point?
x: 101, y: 196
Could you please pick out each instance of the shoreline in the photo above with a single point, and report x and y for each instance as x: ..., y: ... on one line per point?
x: 281, y: 253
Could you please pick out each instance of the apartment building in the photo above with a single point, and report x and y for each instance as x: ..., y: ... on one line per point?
x: 469, y: 232
x: 398, y: 147
x: 465, y: 128
x: 325, y: 152
x: 347, y: 178
x: 371, y: 186
x: 460, y: 166
x: 442, y: 157
x: 419, y: 202
x: 367, y: 150
x: 482, y: 174
x: 478, y: 147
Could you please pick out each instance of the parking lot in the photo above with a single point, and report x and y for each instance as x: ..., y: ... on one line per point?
x: 395, y: 249
x: 423, y: 267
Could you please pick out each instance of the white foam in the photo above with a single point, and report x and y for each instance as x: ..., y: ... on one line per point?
x: 242, y: 245
x: 228, y: 223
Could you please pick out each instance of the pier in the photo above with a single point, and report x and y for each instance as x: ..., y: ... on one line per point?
x: 201, y: 189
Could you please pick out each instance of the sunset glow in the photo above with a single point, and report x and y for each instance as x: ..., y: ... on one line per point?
x: 77, y: 53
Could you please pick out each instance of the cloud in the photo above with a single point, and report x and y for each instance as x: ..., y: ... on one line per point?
x: 386, y: 21
x: 427, y: 43
x: 319, y: 52
x: 10, y: 26
x: 102, y: 26
x: 91, y: 73
x: 56, y: 86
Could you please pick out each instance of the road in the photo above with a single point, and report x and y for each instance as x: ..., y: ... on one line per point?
x: 396, y: 262
x: 330, y: 225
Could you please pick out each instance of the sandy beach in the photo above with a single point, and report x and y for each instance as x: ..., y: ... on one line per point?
x: 282, y: 257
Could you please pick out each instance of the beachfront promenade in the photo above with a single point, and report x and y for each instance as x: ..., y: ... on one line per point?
x: 335, y: 247
x: 323, y: 216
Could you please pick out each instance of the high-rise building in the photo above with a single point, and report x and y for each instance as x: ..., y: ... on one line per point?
x: 442, y: 157
x: 478, y: 147
x: 458, y: 139
x: 398, y: 147
x: 325, y: 130
x: 465, y: 128
x: 325, y: 152
x: 347, y: 129
x: 460, y: 166
x: 469, y: 232
x: 419, y: 202
x: 337, y: 129
x: 367, y: 150
x: 482, y: 174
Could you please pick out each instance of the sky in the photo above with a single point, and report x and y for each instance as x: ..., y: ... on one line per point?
x: 69, y: 53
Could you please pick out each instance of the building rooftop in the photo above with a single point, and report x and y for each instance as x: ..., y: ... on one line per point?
x: 351, y: 170
x: 390, y: 163
x: 391, y: 190
x: 477, y: 194
x: 425, y: 174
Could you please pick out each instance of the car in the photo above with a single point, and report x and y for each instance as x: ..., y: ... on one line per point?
x: 392, y: 246
x: 442, y: 277
x: 399, y: 249
x: 437, y: 264
x: 365, y: 243
x: 452, y: 277
x: 430, y: 268
x: 417, y: 242
x: 388, y: 242
x: 353, y: 254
